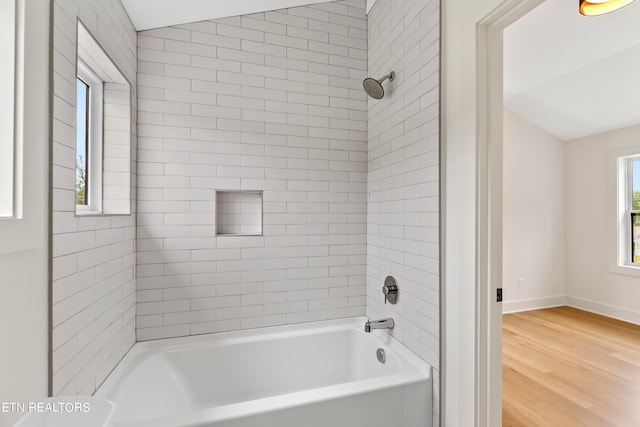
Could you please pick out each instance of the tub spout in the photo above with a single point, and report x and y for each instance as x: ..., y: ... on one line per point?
x: 379, y: 324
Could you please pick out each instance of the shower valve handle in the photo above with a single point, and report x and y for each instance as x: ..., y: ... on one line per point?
x: 390, y: 290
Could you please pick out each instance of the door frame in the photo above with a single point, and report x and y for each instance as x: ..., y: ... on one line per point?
x: 489, y: 197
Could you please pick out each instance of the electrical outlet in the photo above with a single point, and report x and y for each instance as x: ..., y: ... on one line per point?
x: 521, y: 282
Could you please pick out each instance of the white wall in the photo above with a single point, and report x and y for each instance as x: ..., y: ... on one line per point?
x: 533, y: 216
x: 93, y: 256
x: 591, y: 285
x: 271, y: 101
x: 402, y: 225
x: 24, y: 311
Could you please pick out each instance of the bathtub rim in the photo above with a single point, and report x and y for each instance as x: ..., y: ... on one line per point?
x: 264, y: 334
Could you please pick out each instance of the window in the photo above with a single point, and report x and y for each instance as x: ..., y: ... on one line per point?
x: 7, y: 106
x: 89, y: 92
x: 632, y: 210
x: 624, y: 231
x: 103, y: 132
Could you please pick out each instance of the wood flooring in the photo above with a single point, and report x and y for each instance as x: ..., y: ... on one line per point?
x: 564, y: 367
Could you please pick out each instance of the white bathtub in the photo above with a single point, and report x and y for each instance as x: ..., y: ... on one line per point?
x: 322, y: 374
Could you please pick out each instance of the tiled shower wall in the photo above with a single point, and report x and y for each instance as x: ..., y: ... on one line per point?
x: 402, y: 227
x: 273, y: 102
x: 93, y: 257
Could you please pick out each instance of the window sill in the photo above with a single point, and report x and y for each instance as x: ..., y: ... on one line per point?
x: 628, y: 270
x: 96, y: 214
x: 238, y: 235
x: 88, y: 213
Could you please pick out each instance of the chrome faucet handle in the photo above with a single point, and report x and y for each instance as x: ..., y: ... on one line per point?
x: 390, y: 290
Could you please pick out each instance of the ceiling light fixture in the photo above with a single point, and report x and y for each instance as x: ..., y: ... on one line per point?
x: 600, y: 7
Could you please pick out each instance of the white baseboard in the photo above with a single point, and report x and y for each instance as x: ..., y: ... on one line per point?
x: 605, y: 310
x: 533, y: 304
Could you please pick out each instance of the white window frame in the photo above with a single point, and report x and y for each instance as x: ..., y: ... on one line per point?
x: 94, y: 150
x: 620, y: 205
x: 8, y: 107
x: 626, y: 229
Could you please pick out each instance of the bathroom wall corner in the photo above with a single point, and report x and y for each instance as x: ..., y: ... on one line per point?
x: 403, y: 174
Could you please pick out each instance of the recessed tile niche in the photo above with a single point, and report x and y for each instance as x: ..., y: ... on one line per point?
x: 238, y: 213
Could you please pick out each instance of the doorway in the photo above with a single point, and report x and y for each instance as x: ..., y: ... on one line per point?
x: 490, y: 198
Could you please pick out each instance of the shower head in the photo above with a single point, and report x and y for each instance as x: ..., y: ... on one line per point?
x: 374, y: 87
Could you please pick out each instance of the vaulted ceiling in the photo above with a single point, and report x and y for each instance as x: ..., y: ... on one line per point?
x: 574, y: 75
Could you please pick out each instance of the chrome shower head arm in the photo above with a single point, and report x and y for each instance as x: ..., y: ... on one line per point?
x: 390, y: 76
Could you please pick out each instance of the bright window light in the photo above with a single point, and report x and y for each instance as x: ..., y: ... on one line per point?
x: 89, y: 106
x: 82, y: 144
x: 632, y: 214
x: 7, y: 106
